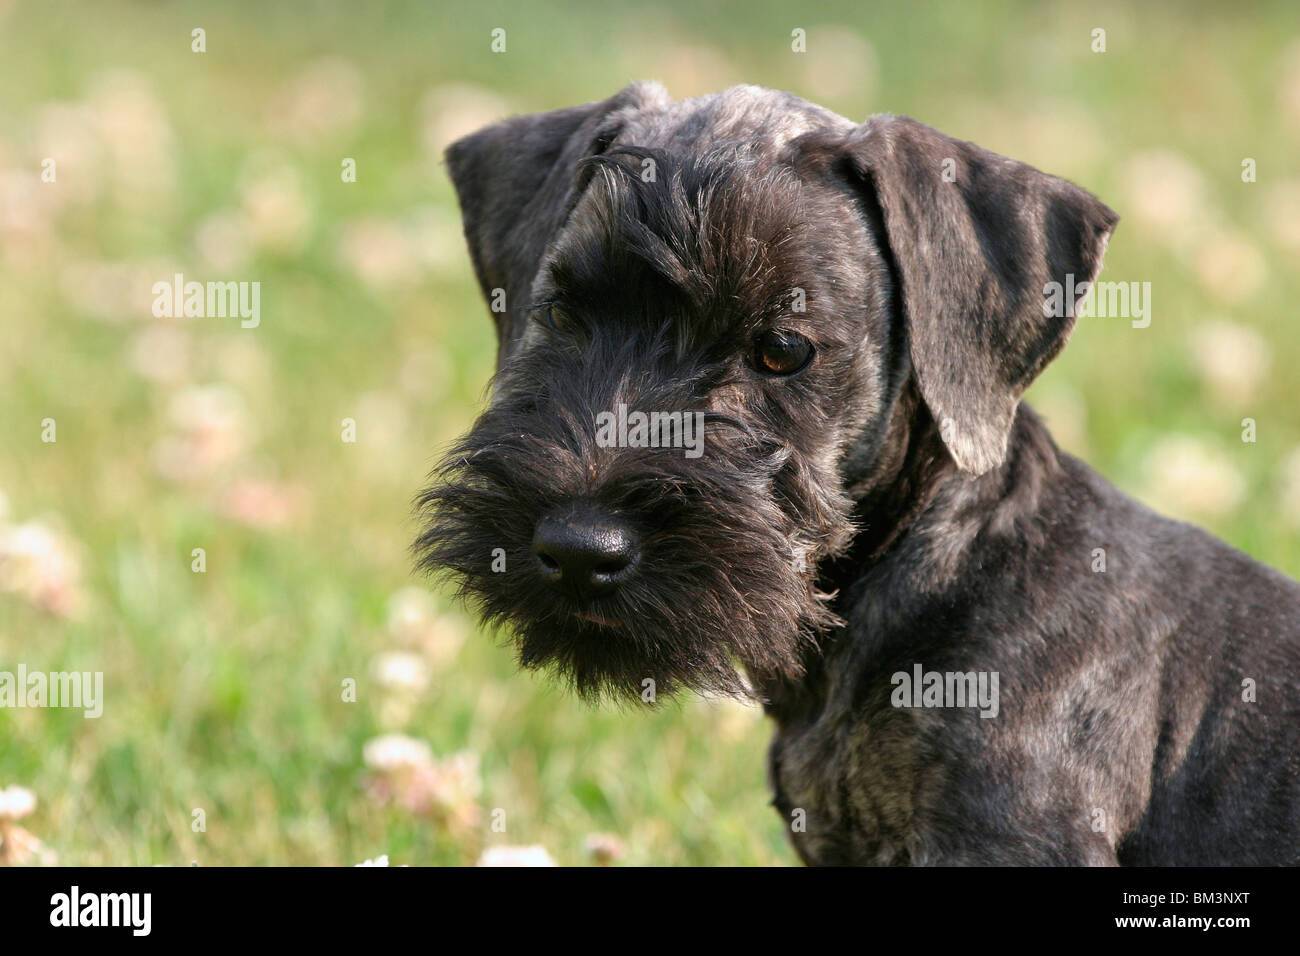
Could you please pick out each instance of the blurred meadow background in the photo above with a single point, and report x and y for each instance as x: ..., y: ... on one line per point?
x: 225, y: 688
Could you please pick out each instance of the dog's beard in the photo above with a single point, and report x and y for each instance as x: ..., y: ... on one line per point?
x: 725, y: 576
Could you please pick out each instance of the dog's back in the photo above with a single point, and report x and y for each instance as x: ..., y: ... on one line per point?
x: 1225, y: 766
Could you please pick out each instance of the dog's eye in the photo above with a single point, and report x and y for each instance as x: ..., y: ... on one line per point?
x: 549, y: 315
x: 781, y: 353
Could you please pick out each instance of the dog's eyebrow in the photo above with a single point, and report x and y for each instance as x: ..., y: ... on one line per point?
x: 721, y: 418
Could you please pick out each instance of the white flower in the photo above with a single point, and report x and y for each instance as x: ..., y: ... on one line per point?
x: 380, y: 252
x: 460, y: 779
x: 325, y: 99
x: 274, y: 205
x: 1190, y: 478
x: 26, y: 211
x: 1166, y: 195
x: 393, y: 752
x: 16, y: 802
x: 222, y: 240
x: 377, y: 861
x: 515, y: 856
x: 409, y: 612
x: 262, y: 503
x: 414, y: 621
x: 438, y: 237
x: 1230, y: 266
x: 134, y: 128
x: 1232, y: 359
x: 211, y: 431
x: 69, y: 131
x: 41, y: 564
x: 401, y: 670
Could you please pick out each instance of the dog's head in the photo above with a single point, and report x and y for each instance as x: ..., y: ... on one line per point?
x: 705, y: 310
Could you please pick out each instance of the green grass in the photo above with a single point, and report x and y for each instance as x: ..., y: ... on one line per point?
x: 223, y: 688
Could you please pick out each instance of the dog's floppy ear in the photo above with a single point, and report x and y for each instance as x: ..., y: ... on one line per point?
x: 976, y: 238
x: 515, y: 181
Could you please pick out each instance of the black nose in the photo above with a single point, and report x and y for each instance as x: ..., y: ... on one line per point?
x: 585, y: 551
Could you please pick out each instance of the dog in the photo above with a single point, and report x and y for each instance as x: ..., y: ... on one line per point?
x: 875, y: 526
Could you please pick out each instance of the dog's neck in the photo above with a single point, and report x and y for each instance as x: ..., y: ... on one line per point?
x: 907, y: 481
x: 891, y: 480
x: 911, y: 488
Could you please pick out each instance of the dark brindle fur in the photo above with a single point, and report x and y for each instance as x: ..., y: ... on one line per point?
x: 890, y: 504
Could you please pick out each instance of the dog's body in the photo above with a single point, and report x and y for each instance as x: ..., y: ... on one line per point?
x: 859, y: 309
x: 1122, y: 736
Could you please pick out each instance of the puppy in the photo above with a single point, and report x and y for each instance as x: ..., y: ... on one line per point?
x: 974, y: 649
